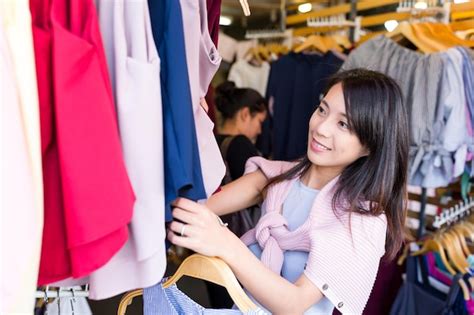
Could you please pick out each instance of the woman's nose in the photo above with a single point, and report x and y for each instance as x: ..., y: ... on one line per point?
x: 323, y: 128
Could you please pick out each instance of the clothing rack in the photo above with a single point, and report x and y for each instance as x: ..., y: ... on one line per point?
x: 329, y: 21
x: 61, y: 293
x: 260, y: 34
x: 433, y: 8
x: 454, y: 213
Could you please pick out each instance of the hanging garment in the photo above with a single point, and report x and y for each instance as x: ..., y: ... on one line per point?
x: 134, y: 67
x: 21, y: 223
x: 182, y: 165
x: 243, y: 47
x: 16, y: 18
x: 295, y: 88
x: 171, y: 301
x: 420, y: 298
x: 246, y: 75
x: 468, y: 78
x: 213, y: 16
x: 439, y: 167
x: 386, y: 287
x: 211, y: 112
x: 455, y: 132
x: 69, y: 305
x: 54, y: 240
x: 326, y: 237
x: 203, y: 60
x: 227, y: 47
x: 420, y: 79
x: 88, y: 197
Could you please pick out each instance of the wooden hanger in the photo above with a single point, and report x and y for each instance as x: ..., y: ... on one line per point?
x: 451, y: 245
x: 331, y: 43
x: 467, y: 34
x: 443, y: 33
x: 277, y: 49
x: 425, y: 34
x: 433, y: 245
x: 470, y: 228
x: 245, y: 7
x: 404, y: 30
x: 462, y: 232
x: 312, y: 42
x: 202, y: 267
x: 258, y: 53
x: 342, y: 40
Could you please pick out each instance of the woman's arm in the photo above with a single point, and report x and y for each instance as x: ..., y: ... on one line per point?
x: 239, y: 194
x: 204, y: 234
x: 271, y: 290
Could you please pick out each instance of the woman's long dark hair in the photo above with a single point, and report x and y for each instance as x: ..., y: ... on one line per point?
x: 377, y: 115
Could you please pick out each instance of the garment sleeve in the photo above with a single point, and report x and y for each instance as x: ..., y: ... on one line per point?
x: 240, y: 150
x: 343, y: 262
x: 268, y: 167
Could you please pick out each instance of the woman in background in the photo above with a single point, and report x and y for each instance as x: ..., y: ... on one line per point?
x: 242, y: 113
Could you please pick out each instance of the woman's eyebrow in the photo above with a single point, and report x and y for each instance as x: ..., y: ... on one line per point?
x: 323, y: 101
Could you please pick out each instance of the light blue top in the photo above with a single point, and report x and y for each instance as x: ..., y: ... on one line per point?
x: 296, y: 209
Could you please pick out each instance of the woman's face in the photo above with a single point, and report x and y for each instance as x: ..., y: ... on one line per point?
x: 252, y: 125
x: 330, y: 142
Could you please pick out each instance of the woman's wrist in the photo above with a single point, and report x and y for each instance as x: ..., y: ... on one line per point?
x: 230, y: 246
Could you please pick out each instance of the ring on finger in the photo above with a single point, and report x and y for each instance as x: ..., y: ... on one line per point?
x: 182, y: 230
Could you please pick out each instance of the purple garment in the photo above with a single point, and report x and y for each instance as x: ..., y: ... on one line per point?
x: 435, y: 272
x: 213, y: 15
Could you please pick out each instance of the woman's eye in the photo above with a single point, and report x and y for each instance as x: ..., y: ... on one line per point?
x: 343, y: 125
x: 321, y: 110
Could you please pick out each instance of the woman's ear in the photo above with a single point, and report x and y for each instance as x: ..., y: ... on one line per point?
x: 365, y: 152
x: 244, y: 113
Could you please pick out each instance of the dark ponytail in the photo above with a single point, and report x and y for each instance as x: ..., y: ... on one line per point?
x: 230, y: 99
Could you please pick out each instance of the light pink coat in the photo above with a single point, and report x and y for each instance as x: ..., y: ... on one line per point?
x: 343, y: 264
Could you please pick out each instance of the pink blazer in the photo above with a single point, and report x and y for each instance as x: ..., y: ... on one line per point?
x: 343, y: 264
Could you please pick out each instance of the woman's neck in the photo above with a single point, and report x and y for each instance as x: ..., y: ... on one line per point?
x: 318, y: 176
x: 230, y: 128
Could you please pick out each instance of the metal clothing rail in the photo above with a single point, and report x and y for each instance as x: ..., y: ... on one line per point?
x: 260, y: 34
x: 61, y: 293
x: 454, y: 213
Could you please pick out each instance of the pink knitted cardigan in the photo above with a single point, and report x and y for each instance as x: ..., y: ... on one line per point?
x: 342, y: 263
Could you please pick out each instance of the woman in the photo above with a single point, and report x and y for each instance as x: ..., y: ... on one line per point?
x: 327, y: 218
x: 242, y: 112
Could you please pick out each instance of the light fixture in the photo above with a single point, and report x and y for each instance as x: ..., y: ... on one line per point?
x: 305, y: 7
x: 390, y: 25
x: 225, y: 20
x: 421, y: 5
x: 460, y: 1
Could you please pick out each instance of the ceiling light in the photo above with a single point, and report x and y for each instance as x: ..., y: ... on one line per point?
x: 390, y: 25
x: 461, y: 1
x: 225, y: 20
x: 421, y: 5
x: 305, y: 7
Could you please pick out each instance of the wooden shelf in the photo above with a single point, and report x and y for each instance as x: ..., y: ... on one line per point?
x: 339, y: 9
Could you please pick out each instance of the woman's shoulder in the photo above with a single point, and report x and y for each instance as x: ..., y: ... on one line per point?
x: 269, y: 168
x: 241, y: 140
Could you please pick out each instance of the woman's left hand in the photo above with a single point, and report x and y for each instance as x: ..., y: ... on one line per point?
x: 198, y: 229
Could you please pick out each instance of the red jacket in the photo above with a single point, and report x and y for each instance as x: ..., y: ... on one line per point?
x: 88, y: 196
